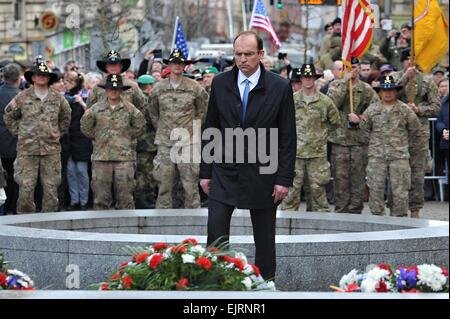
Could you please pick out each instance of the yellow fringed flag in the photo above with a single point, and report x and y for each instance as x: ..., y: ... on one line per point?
x: 430, y: 34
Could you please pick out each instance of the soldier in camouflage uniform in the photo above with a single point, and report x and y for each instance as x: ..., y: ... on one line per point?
x: 208, y: 75
x: 426, y: 104
x: 112, y: 63
x: 315, y: 113
x: 326, y: 60
x: 349, y: 145
x: 326, y: 41
x: 390, y: 124
x: 114, y: 124
x: 38, y: 116
x: 175, y: 103
x: 144, y: 195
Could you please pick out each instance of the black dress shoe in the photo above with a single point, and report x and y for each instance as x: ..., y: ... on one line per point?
x: 84, y: 207
x: 73, y: 207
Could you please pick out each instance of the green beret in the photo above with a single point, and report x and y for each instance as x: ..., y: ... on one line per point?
x: 211, y: 69
x: 146, y: 79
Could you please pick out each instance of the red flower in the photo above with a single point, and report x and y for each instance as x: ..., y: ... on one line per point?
x: 352, y: 288
x: 155, y: 260
x: 160, y: 246
x: 445, y: 272
x: 381, y: 286
x: 213, y: 249
x: 178, y: 249
x: 115, y: 276
x: 227, y: 258
x: 140, y: 258
x: 413, y: 268
x: 126, y: 282
x: 256, y: 270
x: 183, y: 282
x: 191, y: 241
x: 3, y: 279
x: 238, y: 263
x: 123, y: 265
x: 204, y: 262
x: 386, y: 267
x: 104, y: 286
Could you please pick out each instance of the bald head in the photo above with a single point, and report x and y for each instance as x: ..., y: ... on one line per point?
x: 338, y: 67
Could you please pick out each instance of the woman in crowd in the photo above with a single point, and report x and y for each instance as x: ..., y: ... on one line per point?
x: 80, y: 149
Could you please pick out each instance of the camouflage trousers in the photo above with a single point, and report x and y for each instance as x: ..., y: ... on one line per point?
x: 27, y: 168
x: 348, y: 166
x: 316, y: 171
x: 398, y: 173
x: 110, y: 177
x: 145, y: 183
x: 165, y: 172
x: 418, y: 162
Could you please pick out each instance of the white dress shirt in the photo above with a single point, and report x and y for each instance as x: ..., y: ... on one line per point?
x: 254, y: 78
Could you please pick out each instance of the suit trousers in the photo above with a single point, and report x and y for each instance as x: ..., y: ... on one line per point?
x: 263, y: 221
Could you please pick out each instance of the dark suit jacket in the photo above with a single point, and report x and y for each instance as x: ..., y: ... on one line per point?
x: 8, y: 141
x: 442, y: 121
x: 270, y: 105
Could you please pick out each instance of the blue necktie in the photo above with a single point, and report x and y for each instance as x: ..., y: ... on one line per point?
x: 245, y: 98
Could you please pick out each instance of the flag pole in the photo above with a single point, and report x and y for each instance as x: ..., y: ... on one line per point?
x: 174, y: 33
x: 413, y: 63
x: 350, y: 91
x: 244, y: 15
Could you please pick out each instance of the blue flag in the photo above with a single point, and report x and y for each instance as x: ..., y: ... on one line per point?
x: 180, y: 40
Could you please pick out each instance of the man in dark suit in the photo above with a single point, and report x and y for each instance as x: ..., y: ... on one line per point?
x: 256, y: 103
x: 11, y: 76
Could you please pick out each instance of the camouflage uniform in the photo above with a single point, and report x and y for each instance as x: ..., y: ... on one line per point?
x: 313, y: 121
x: 327, y: 58
x: 39, y: 126
x: 389, y: 155
x: 391, y: 53
x: 349, y: 147
x: 114, y: 131
x: 146, y: 151
x: 171, y: 108
x: 426, y: 99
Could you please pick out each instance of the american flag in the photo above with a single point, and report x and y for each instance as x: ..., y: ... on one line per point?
x: 260, y: 20
x: 357, y: 28
x: 180, y: 40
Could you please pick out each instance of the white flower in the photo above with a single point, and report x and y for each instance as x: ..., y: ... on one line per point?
x: 23, y: 283
x: 197, y: 249
x: 271, y: 285
x: 247, y: 282
x: 368, y: 285
x: 431, y: 276
x: 377, y: 274
x: 188, y: 259
x: 214, y: 258
x: 351, y: 278
x: 241, y: 256
x: 248, y: 269
x: 15, y: 272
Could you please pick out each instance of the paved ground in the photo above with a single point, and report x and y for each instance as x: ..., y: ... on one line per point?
x: 432, y: 210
